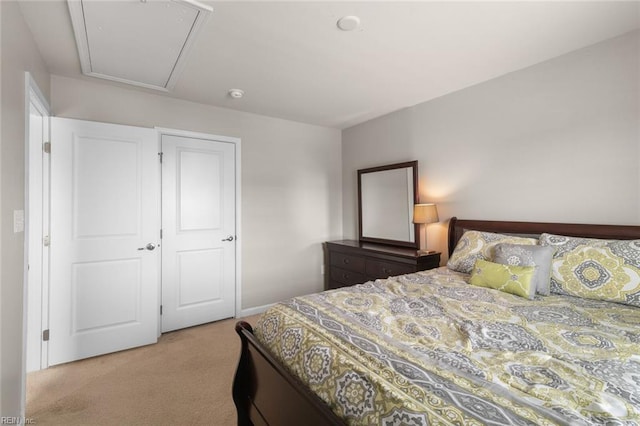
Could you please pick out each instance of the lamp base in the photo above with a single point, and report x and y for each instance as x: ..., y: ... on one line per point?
x: 423, y: 240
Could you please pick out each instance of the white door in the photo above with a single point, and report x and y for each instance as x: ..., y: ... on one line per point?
x: 198, y: 225
x: 105, y: 210
x: 37, y: 228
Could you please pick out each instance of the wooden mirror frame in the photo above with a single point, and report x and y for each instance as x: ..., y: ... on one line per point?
x: 409, y: 164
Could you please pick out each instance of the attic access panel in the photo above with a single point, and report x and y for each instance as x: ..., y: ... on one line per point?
x: 139, y: 42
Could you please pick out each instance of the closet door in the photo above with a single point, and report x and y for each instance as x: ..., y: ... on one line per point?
x: 199, y: 231
x: 105, y: 226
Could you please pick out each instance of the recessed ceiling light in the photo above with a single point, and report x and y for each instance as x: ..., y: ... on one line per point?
x: 348, y: 23
x: 236, y: 93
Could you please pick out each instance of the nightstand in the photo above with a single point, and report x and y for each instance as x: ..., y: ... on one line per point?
x: 349, y: 262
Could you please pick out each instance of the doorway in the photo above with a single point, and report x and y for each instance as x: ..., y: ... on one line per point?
x: 37, y: 225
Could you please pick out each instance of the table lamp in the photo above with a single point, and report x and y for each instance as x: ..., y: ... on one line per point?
x: 424, y: 214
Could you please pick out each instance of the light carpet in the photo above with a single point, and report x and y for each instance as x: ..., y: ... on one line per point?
x: 184, y: 379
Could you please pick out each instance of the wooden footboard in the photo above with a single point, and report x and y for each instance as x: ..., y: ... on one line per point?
x: 267, y: 394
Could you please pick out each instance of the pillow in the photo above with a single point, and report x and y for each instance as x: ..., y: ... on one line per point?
x: 479, y: 245
x: 523, y: 255
x: 595, y: 269
x: 512, y: 279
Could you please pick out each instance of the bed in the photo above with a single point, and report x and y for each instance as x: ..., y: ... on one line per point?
x: 429, y: 348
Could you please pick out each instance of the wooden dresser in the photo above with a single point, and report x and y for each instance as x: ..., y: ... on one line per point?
x: 349, y: 262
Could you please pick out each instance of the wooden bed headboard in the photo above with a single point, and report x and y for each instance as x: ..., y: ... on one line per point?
x: 614, y: 232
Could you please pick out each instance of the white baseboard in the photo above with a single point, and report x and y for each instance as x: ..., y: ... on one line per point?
x: 254, y: 311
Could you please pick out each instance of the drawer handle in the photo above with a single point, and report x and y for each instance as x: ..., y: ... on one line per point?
x: 386, y: 271
x: 345, y: 276
x: 345, y: 261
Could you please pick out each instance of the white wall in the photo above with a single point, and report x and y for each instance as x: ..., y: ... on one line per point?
x: 556, y: 142
x: 19, y: 54
x: 291, y: 179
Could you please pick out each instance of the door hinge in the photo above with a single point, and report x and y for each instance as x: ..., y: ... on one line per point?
x: 46, y: 241
x: 161, y: 234
x: 45, y: 335
x: 46, y: 147
x: 160, y: 309
x: 160, y: 154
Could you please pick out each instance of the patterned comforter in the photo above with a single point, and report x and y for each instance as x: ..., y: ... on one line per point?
x: 428, y: 348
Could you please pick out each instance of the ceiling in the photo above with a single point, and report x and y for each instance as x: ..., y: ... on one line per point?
x: 294, y: 63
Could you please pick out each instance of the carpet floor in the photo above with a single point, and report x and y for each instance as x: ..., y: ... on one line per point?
x: 184, y: 379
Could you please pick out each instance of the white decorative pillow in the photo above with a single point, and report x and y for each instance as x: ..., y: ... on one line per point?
x: 528, y: 255
x: 595, y: 269
x: 476, y: 245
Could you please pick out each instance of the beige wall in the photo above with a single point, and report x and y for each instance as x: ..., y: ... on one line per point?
x: 558, y: 141
x: 19, y: 54
x: 291, y: 179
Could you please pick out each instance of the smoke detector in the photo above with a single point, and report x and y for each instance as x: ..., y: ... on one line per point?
x: 236, y: 93
x: 348, y: 23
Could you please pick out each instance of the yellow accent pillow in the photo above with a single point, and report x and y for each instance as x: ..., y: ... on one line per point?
x: 512, y: 279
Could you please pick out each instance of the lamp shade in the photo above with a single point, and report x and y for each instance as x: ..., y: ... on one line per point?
x: 425, y: 213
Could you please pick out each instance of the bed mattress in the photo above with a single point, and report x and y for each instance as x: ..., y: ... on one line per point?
x: 429, y: 348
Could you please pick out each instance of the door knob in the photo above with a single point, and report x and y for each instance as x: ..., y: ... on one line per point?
x: 229, y: 238
x: 149, y: 247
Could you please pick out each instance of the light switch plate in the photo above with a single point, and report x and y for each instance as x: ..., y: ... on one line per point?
x: 18, y: 221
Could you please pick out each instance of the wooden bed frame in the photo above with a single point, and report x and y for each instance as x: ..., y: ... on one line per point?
x: 265, y: 393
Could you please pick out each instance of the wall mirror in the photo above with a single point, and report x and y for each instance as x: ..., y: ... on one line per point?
x: 386, y: 196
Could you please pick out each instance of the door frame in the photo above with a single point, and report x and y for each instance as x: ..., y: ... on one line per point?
x: 33, y: 95
x: 238, y: 206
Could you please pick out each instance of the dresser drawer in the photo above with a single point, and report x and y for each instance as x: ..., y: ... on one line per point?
x: 349, y: 262
x: 380, y: 269
x: 347, y: 277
